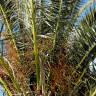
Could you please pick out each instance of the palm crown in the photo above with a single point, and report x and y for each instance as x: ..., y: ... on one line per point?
x: 32, y: 27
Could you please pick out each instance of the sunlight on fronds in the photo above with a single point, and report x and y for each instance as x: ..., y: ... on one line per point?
x: 93, y: 93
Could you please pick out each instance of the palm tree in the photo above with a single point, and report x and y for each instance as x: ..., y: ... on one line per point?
x: 30, y: 25
x: 83, y: 53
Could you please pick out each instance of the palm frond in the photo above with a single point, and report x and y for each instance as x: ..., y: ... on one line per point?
x: 83, y: 48
x: 7, y: 14
x: 5, y: 86
x: 7, y: 66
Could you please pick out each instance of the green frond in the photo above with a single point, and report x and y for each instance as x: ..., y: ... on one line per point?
x: 5, y: 87
x: 7, y: 66
x: 6, y: 17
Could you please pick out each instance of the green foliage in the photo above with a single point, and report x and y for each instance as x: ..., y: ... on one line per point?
x: 5, y: 86
x: 82, y: 51
x: 29, y: 21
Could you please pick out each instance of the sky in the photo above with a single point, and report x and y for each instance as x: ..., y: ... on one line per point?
x: 86, y: 11
x: 2, y: 91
